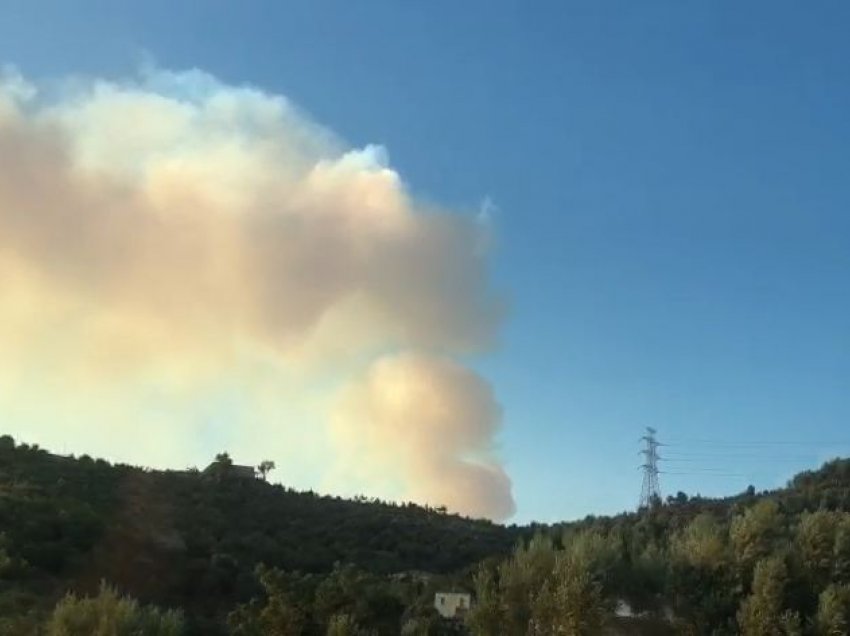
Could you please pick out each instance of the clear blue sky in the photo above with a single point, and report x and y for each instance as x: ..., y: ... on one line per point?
x: 672, y: 188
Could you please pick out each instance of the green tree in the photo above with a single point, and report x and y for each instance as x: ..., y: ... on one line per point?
x: 8, y: 565
x: 790, y: 624
x: 539, y: 590
x: 7, y: 442
x: 833, y: 617
x: 699, y: 582
x: 762, y: 614
x: 595, y: 551
x: 109, y: 614
x: 485, y: 616
x: 344, y: 625
x: 338, y: 593
x: 221, y: 466
x: 569, y: 601
x: 815, y: 540
x: 755, y: 533
x: 265, y: 467
x: 520, y: 577
x: 702, y: 543
x: 276, y: 615
x: 841, y: 550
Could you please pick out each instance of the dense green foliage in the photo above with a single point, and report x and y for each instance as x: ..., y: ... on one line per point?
x: 193, y: 540
x: 110, y: 614
x: 221, y: 553
x: 772, y: 564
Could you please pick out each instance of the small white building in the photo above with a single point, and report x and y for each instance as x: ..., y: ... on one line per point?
x: 452, y: 604
x: 623, y: 610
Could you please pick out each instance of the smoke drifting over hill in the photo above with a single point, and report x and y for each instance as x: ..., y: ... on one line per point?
x: 175, y: 250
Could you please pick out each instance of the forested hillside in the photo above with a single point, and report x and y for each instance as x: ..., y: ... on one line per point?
x: 769, y: 564
x: 215, y: 553
x: 192, y: 540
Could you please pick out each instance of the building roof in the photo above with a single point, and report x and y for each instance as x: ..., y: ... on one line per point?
x: 234, y: 470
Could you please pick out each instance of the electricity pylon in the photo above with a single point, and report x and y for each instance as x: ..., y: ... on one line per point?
x: 650, y: 490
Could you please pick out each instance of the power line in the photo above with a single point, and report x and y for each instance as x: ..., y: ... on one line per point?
x: 697, y: 470
x: 743, y: 452
x: 722, y: 458
x: 709, y: 474
x: 750, y: 443
x: 726, y: 456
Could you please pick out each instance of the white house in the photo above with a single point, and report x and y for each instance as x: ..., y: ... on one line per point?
x: 452, y: 604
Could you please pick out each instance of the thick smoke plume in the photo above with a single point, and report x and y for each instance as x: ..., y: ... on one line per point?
x: 184, y: 262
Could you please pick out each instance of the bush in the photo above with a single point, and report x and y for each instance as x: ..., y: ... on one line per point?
x: 109, y: 614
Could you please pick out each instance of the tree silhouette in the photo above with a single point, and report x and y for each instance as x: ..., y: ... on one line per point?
x: 265, y: 467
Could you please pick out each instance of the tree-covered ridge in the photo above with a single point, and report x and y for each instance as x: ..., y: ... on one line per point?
x: 220, y: 552
x: 193, y: 540
x: 777, y: 563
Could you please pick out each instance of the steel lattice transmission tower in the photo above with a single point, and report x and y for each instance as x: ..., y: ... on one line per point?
x: 650, y: 490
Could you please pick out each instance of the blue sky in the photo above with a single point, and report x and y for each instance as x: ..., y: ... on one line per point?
x: 671, y: 189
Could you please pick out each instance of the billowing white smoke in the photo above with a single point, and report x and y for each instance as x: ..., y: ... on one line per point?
x: 174, y: 250
x: 428, y: 419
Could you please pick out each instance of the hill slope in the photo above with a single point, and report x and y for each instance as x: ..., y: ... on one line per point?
x: 194, y: 540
